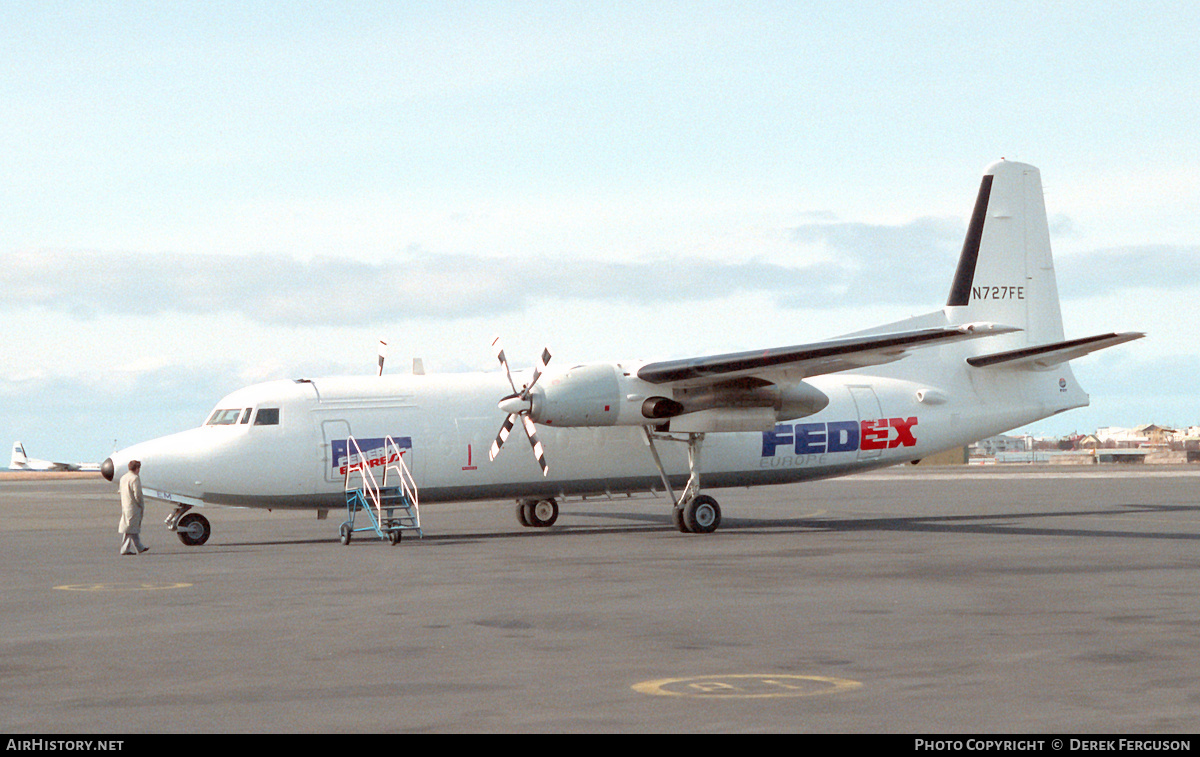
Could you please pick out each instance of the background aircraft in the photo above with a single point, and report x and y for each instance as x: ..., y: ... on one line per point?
x: 20, y: 461
x: 993, y: 358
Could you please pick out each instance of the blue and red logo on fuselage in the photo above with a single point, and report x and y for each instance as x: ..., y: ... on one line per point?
x: 373, y: 452
x: 840, y: 436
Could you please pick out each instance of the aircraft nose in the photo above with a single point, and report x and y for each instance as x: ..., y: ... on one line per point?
x: 106, y: 468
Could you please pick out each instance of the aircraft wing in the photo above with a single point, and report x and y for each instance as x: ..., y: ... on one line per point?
x: 804, y: 360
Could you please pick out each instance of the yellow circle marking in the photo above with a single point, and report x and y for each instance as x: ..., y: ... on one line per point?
x: 142, y: 586
x: 746, y: 686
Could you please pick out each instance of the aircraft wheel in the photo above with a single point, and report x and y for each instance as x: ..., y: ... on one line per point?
x: 193, y: 529
x: 344, y: 533
x: 677, y: 519
x: 702, y: 515
x: 542, y: 513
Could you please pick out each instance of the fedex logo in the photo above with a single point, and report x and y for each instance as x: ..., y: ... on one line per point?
x: 840, y: 436
x: 372, y: 452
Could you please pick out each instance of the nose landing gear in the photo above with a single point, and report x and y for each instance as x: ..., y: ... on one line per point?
x: 192, y: 529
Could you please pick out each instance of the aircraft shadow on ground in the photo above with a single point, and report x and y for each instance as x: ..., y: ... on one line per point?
x: 1001, y: 524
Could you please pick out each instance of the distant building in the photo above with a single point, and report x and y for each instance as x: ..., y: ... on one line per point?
x: 1159, y: 436
x: 1002, y: 444
x: 1089, y: 441
x: 1147, y: 435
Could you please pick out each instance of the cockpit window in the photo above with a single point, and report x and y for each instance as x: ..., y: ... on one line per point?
x: 246, y: 416
x: 267, y: 416
x: 221, y: 417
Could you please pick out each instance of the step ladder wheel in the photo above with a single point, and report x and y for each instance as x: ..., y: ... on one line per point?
x: 394, y: 536
x: 344, y: 532
x: 521, y: 518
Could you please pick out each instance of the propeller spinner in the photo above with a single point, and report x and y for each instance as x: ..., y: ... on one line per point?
x: 519, y: 405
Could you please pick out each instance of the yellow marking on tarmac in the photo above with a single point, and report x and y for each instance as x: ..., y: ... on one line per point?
x: 130, y: 586
x: 746, y: 686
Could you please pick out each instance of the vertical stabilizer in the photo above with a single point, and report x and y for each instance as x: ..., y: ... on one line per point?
x: 1005, y: 273
x: 18, y: 456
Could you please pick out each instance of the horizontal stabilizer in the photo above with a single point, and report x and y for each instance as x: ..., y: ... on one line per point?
x: 1047, y: 356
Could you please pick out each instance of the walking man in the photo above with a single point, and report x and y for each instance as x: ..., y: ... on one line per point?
x: 132, y: 507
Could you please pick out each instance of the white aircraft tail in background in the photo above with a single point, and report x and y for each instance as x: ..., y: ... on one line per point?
x: 992, y: 359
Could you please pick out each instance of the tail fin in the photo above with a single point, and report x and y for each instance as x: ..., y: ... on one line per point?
x: 1005, y: 273
x: 18, y: 455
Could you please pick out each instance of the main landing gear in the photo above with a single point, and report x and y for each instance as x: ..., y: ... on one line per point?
x: 192, y: 529
x: 537, y: 513
x: 693, y: 513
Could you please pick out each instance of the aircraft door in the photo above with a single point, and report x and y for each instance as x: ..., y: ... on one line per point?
x: 331, y: 430
x: 867, y: 403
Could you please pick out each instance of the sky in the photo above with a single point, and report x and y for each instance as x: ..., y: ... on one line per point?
x: 199, y: 196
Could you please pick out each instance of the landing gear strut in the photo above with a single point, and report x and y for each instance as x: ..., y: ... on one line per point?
x: 693, y: 513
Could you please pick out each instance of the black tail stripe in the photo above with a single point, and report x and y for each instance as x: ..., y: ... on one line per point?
x: 964, y: 276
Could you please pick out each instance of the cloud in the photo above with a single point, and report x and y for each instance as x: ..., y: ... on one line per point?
x: 910, y: 263
x: 276, y: 289
x: 847, y: 263
x: 77, y: 419
x: 1109, y: 270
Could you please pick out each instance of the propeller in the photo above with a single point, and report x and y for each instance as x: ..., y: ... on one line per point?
x: 519, y: 405
x: 382, y: 355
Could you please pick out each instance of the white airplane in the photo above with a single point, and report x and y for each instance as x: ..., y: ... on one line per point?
x: 994, y: 358
x: 20, y: 461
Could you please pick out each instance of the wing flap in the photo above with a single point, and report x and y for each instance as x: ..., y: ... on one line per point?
x: 1046, y: 356
x: 801, y: 361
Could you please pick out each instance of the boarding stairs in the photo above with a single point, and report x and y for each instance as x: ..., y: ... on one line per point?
x: 391, y: 508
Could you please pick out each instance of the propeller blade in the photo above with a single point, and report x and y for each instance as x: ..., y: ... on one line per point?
x: 538, y: 451
x: 499, y: 348
x: 540, y: 368
x: 502, y: 437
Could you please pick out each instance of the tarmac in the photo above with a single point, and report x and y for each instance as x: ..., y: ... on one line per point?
x: 910, y: 600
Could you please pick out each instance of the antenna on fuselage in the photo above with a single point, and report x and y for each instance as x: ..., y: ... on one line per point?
x: 382, y: 355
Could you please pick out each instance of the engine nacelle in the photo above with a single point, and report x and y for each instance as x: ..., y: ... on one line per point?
x: 586, y: 395
x: 605, y: 394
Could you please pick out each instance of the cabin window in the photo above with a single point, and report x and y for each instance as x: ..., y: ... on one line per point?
x: 267, y: 416
x: 223, y: 417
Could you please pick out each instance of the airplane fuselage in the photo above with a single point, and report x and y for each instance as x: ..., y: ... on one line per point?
x: 443, y: 425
